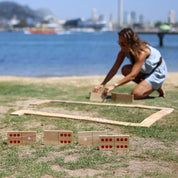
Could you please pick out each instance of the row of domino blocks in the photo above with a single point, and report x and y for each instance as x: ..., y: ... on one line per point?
x: 21, y: 137
x: 63, y: 137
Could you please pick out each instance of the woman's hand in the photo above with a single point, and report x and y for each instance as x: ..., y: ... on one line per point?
x: 107, y: 90
x: 98, y: 88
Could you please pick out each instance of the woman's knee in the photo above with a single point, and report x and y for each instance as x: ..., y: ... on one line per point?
x: 137, y: 94
x: 126, y: 69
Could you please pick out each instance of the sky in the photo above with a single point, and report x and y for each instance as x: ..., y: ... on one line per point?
x: 157, y: 10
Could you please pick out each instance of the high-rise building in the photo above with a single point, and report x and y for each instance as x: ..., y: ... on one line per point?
x: 141, y: 19
x: 171, y: 17
x: 133, y: 17
x: 120, y: 12
x: 94, y: 14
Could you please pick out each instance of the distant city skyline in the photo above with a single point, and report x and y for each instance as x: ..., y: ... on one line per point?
x: 155, y: 10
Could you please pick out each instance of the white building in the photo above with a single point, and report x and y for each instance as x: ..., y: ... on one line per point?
x: 171, y: 17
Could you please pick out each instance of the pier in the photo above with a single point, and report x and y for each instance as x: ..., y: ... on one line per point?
x: 159, y: 33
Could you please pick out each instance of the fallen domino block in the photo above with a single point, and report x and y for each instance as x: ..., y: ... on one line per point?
x: 114, y: 142
x: 96, y: 97
x: 122, y: 97
x: 89, y: 137
x: 58, y: 137
x: 21, y: 137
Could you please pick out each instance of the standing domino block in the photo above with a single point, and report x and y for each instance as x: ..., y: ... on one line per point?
x: 96, y: 97
x: 122, y: 97
x: 21, y: 137
x: 65, y: 137
x: 106, y: 142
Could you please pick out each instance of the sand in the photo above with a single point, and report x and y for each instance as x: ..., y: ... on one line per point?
x: 171, y: 81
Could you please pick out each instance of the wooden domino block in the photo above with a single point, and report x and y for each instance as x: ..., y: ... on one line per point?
x: 122, y: 97
x: 51, y: 137
x: 21, y: 137
x: 85, y: 138
x: 114, y: 142
x: 96, y: 97
x: 65, y: 137
x: 96, y: 135
x: 122, y: 142
x: 106, y: 142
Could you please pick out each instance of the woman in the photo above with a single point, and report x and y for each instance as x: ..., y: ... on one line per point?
x: 147, y: 68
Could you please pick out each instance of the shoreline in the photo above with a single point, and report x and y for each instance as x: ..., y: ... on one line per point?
x: 171, y: 80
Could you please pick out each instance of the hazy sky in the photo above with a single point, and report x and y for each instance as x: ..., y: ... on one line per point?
x: 150, y: 9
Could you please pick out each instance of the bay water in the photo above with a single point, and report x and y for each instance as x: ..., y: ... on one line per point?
x: 70, y: 53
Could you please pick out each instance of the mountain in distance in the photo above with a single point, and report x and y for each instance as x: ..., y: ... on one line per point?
x: 9, y: 9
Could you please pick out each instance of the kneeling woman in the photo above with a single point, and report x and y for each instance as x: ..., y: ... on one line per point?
x: 147, y: 68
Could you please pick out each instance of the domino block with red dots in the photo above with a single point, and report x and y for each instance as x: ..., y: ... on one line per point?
x: 58, y: 137
x: 21, y: 137
x: 114, y: 142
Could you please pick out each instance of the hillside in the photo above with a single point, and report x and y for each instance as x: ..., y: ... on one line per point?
x: 9, y: 9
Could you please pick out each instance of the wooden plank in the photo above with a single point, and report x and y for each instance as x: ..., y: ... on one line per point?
x: 96, y: 97
x: 101, y: 120
x: 122, y: 97
x: 65, y: 116
x: 100, y: 104
x: 155, y: 117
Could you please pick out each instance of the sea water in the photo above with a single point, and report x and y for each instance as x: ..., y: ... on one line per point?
x: 71, y: 53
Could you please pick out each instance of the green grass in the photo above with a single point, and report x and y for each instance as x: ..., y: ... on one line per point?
x: 37, y: 160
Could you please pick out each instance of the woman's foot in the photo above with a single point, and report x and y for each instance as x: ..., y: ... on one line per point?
x: 161, y: 92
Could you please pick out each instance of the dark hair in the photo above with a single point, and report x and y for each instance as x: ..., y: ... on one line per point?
x: 135, y: 43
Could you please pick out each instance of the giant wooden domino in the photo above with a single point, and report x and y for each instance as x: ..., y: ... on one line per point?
x: 114, y: 142
x: 58, y: 137
x: 96, y: 97
x: 21, y: 137
x: 89, y: 137
x: 122, y: 97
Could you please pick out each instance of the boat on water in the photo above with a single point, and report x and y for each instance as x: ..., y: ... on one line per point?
x: 41, y: 29
x: 37, y: 31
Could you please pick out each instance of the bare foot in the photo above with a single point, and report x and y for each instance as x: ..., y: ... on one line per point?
x: 161, y: 92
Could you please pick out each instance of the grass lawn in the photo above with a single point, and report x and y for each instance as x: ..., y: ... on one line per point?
x: 153, y: 151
